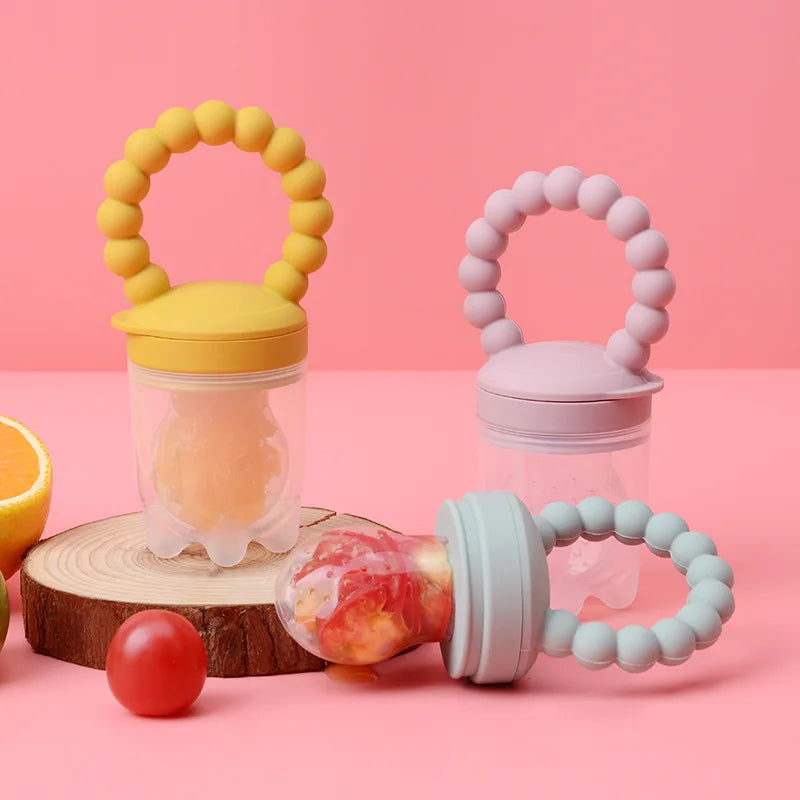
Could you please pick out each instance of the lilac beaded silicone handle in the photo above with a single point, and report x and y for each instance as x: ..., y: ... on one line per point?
x: 599, y: 197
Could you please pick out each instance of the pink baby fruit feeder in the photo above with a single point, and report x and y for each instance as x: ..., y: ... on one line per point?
x: 560, y: 421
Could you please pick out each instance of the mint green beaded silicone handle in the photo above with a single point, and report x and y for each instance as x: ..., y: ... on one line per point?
x: 636, y: 648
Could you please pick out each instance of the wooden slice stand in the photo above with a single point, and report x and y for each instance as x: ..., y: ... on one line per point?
x: 79, y: 586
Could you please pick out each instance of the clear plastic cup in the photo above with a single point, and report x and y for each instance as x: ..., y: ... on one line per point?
x: 219, y: 459
x: 546, y: 469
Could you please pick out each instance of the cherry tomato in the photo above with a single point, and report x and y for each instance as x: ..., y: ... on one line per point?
x: 156, y: 664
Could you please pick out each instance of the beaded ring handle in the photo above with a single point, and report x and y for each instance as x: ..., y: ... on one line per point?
x: 178, y: 130
x: 599, y: 197
x: 636, y: 648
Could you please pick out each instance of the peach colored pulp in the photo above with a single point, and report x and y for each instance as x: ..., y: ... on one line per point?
x: 722, y: 727
x: 418, y: 110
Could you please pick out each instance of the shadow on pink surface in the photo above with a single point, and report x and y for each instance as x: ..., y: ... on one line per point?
x: 694, y: 677
x: 20, y: 664
x: 423, y: 670
x: 564, y: 677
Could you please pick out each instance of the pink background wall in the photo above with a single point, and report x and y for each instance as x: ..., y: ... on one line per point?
x: 418, y: 110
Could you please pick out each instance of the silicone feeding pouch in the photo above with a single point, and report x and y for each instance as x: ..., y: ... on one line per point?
x: 360, y: 596
x: 217, y: 368
x: 560, y: 421
x: 480, y: 587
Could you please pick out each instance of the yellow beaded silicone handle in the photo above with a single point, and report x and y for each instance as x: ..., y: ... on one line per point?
x: 178, y: 130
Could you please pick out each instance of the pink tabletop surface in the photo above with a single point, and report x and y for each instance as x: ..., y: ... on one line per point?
x: 391, y: 446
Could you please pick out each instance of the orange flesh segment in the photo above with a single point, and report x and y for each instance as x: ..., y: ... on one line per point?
x: 19, y: 463
x: 343, y: 673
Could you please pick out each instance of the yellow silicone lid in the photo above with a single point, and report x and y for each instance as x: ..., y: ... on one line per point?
x: 214, y: 327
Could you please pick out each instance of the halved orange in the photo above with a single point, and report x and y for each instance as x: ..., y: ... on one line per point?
x: 25, y: 488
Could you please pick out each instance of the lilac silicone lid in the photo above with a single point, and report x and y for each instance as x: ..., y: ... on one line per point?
x: 567, y: 389
x: 566, y: 372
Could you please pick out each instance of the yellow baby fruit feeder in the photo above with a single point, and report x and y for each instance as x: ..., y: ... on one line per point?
x: 217, y: 368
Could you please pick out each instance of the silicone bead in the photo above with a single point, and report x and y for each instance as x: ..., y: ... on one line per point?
x: 500, y: 335
x: 654, y: 287
x: 286, y: 281
x: 305, y: 182
x: 118, y: 220
x: 484, y: 241
x: 312, y: 217
x: 704, y: 621
x: 305, y: 253
x: 123, y: 181
x: 709, y: 566
x: 689, y: 545
x: 630, y: 520
x: 501, y: 213
x: 125, y: 257
x: 286, y: 149
x: 646, y: 325
x: 675, y: 640
x: 177, y: 128
x: 715, y: 593
x: 146, y: 284
x: 481, y: 308
x: 661, y: 531
x: 253, y: 129
x: 145, y: 150
x: 626, y: 351
x: 597, y: 194
x: 637, y: 648
x: 597, y: 514
x: 215, y: 121
x: 627, y: 217
x: 528, y: 194
x: 566, y: 520
x: 595, y: 645
x: 561, y: 187
x: 558, y: 633
x: 647, y: 250
x: 547, y: 533
x: 478, y: 275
